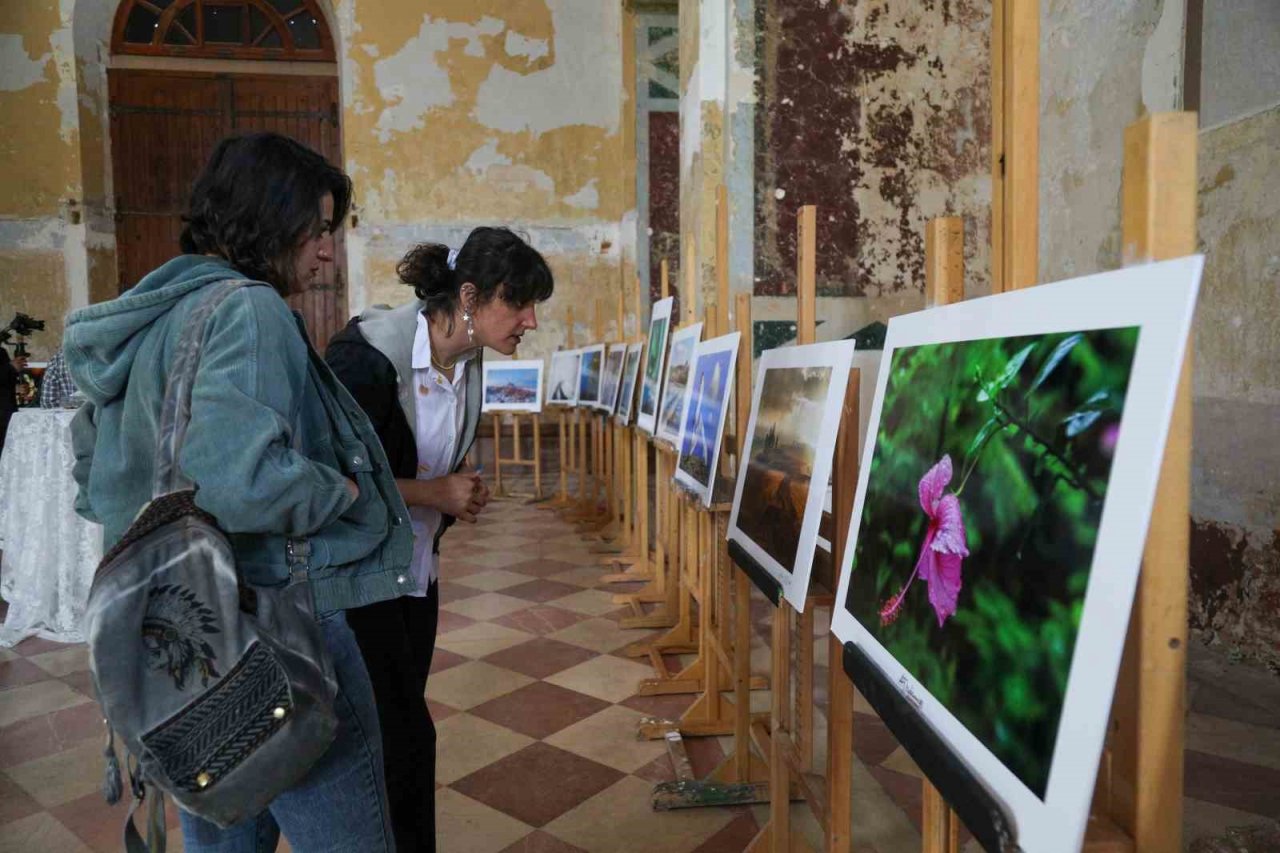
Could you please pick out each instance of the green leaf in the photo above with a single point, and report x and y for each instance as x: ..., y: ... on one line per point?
x: 1078, y: 422
x: 983, y: 434
x: 1011, y: 369
x: 1055, y: 358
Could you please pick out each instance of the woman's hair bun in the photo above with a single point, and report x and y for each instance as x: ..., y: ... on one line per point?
x: 426, y: 269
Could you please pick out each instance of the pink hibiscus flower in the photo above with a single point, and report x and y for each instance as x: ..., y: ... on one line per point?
x: 945, y: 546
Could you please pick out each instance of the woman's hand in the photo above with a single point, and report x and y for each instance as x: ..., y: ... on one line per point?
x: 463, y: 496
x: 353, y: 489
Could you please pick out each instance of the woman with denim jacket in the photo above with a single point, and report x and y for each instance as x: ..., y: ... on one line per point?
x: 279, y: 452
x: 416, y: 370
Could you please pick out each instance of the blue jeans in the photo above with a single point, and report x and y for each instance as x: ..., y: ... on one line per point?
x: 341, y: 805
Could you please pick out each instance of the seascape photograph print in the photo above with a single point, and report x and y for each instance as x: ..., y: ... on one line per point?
x: 512, y: 386
x: 562, y: 382
x: 784, y: 445
x: 988, y: 478
x: 589, y: 375
x: 679, y: 362
x: 703, y: 427
x: 627, y: 394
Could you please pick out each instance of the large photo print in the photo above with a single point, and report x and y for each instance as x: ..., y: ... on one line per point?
x: 987, y: 483
x: 795, y: 417
x: 1007, y: 481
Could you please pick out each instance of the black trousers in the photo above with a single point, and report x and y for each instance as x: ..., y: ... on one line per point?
x: 397, y: 639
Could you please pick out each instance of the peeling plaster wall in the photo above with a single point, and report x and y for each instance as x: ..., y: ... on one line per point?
x: 466, y: 112
x: 1102, y: 64
x: 40, y: 249
x: 1235, y: 559
x: 879, y: 113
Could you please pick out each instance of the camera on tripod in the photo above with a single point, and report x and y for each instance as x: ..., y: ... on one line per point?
x: 21, y: 327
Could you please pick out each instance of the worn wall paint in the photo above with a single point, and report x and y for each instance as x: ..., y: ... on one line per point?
x: 1235, y: 565
x: 1102, y: 65
x: 1092, y: 55
x: 1241, y: 59
x: 41, y: 251
x: 879, y: 113
x: 459, y: 113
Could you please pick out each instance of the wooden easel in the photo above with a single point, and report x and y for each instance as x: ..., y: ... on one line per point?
x: 659, y: 588
x: 565, y: 429
x: 788, y: 740
x: 1138, y: 797
x: 517, y: 459
x: 633, y: 461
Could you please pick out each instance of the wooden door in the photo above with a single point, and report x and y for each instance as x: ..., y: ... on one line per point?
x: 164, y: 126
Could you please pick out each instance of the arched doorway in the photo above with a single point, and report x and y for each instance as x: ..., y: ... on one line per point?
x: 166, y: 120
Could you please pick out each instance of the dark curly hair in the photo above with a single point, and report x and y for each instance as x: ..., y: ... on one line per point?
x: 496, y: 260
x: 257, y: 200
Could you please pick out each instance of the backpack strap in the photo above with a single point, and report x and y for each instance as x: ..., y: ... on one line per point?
x: 175, y: 412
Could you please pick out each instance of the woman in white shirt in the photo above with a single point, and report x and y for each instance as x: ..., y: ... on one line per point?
x: 416, y: 371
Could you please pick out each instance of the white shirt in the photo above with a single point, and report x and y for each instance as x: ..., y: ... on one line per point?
x: 441, y: 406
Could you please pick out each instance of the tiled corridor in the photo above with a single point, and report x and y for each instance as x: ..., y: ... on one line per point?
x: 536, y: 715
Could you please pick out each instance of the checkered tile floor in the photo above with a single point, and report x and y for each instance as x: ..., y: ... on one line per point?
x: 536, y: 716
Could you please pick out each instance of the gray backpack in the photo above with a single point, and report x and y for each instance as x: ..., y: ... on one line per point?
x: 222, y: 691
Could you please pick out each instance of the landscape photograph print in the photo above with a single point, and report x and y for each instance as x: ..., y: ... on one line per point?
x: 784, y: 446
x: 627, y: 394
x: 589, y: 373
x: 679, y: 362
x: 975, y: 546
x: 513, y: 386
x: 704, y: 416
x: 795, y: 416
x: 562, y: 382
x: 654, y: 359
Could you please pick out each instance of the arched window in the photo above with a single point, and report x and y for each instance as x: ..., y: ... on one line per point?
x: 223, y: 29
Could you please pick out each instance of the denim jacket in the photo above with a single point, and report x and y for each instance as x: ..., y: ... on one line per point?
x: 272, y: 439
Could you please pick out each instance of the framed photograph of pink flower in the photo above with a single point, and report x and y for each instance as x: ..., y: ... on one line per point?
x: 778, y: 497
x: 1003, y: 498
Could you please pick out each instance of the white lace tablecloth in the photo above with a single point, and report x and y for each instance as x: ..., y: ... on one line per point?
x: 50, y: 553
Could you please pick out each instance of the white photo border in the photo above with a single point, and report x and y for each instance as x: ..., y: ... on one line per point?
x: 583, y: 352
x: 725, y: 343
x: 523, y: 364
x: 561, y: 356
x: 837, y: 355
x: 693, y: 330
x: 1159, y: 298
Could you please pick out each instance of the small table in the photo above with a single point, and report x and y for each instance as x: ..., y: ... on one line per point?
x: 49, y: 552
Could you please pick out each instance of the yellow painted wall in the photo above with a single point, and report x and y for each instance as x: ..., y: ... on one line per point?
x: 455, y: 113
x: 39, y: 163
x: 459, y: 113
